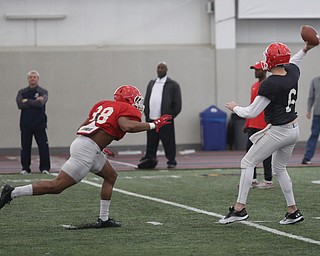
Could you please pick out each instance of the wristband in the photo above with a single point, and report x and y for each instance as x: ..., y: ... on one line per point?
x: 152, y: 126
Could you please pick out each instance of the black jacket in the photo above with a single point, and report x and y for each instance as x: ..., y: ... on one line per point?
x: 171, y: 98
x: 33, y: 112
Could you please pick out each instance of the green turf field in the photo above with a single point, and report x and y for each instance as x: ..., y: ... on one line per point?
x: 163, y: 213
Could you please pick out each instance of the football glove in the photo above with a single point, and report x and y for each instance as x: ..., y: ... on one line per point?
x: 162, y: 120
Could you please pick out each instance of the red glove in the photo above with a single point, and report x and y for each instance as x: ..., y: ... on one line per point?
x: 108, y: 152
x: 162, y: 120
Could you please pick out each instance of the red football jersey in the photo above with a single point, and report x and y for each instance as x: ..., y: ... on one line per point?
x: 258, y: 122
x: 105, y: 114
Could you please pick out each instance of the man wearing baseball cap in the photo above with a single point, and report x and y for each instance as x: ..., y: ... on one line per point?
x: 256, y: 124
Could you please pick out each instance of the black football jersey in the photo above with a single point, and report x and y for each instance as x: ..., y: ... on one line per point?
x: 282, y: 91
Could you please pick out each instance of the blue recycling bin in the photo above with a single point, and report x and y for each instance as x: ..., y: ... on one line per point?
x: 213, y: 122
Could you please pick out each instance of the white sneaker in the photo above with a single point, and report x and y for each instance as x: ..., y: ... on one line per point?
x: 45, y: 172
x: 254, y: 184
x: 24, y: 172
x: 265, y: 184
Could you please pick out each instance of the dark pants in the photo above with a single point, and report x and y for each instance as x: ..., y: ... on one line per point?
x: 313, y: 139
x: 41, y: 138
x: 266, y: 163
x: 167, y: 137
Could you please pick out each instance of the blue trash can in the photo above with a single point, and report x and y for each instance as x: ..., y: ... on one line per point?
x: 213, y: 122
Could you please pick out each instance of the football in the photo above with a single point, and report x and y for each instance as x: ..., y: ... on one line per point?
x: 309, y: 34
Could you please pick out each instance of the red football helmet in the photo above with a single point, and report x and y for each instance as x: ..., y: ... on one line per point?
x: 129, y: 94
x: 276, y: 54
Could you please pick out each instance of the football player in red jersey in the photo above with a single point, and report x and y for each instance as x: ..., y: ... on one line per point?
x: 107, y: 121
x: 277, y: 96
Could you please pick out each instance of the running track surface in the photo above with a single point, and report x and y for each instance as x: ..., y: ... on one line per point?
x: 10, y: 161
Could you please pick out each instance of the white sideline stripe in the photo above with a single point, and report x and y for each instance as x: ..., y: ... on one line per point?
x: 123, y: 163
x: 249, y: 223
x: 155, y: 223
x: 130, y: 152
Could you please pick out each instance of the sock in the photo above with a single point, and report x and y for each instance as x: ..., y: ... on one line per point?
x: 104, y: 209
x: 286, y: 187
x: 22, y: 191
x: 244, y: 184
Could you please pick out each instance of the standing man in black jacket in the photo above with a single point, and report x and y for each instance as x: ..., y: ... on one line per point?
x: 163, y: 96
x: 33, y: 122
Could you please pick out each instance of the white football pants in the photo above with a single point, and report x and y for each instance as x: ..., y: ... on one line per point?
x: 278, y: 141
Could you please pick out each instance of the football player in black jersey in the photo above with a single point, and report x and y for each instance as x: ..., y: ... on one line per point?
x: 277, y: 96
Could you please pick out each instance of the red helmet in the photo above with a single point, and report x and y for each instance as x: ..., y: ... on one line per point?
x: 129, y: 94
x: 276, y: 54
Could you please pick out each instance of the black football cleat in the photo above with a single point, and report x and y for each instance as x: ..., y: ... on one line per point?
x: 6, y: 195
x: 110, y: 223
x: 234, y: 215
x: 292, y: 218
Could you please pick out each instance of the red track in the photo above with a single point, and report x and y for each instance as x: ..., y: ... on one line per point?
x: 197, y: 160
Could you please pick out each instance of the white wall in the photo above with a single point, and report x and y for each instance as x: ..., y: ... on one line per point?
x: 275, y: 9
x: 77, y: 78
x: 103, y: 23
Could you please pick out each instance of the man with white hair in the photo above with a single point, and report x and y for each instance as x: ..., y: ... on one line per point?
x: 33, y: 123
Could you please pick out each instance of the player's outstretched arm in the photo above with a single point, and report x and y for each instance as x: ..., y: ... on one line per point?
x: 133, y: 126
x: 251, y: 111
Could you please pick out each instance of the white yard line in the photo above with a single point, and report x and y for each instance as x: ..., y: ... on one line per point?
x: 123, y: 163
x: 248, y: 223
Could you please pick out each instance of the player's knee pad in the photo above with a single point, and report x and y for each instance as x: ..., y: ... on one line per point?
x: 276, y: 171
x: 276, y: 168
x: 245, y: 164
